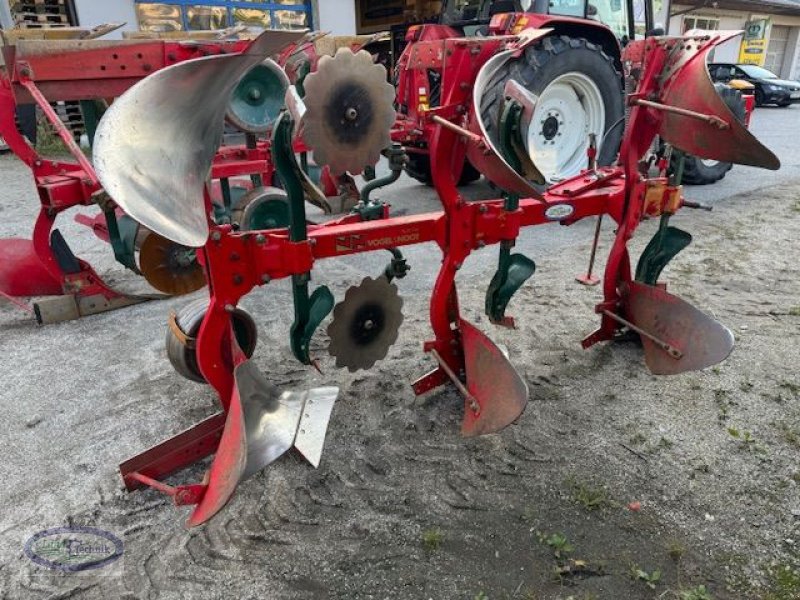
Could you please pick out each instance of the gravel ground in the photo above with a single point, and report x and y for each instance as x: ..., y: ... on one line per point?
x: 402, y: 506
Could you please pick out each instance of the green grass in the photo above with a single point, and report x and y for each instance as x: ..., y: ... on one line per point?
x: 588, y: 496
x: 696, y: 593
x: 784, y: 582
x: 47, y: 141
x: 650, y: 579
x: 49, y: 144
x: 790, y: 433
x: 676, y: 550
x: 432, y: 539
x: 560, y: 545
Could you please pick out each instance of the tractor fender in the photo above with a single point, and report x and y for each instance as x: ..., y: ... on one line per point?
x: 427, y: 32
x: 594, y: 32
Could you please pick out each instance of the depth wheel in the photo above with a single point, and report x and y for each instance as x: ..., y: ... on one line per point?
x: 182, y: 335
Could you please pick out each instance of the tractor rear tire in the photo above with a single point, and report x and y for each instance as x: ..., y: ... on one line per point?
x: 419, y: 167
x: 698, y: 171
x: 569, y: 64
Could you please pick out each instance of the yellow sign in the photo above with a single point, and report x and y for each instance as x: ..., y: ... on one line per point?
x: 753, y: 50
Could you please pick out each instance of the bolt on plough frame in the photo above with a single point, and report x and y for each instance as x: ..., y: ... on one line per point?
x: 344, y: 120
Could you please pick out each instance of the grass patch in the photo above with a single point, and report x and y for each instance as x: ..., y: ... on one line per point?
x: 637, y: 439
x: 790, y: 433
x: 723, y: 404
x: 676, y: 550
x: 432, y: 539
x: 790, y: 386
x: 747, y: 442
x: 588, y: 496
x: 559, y: 543
x: 736, y: 578
x: 650, y: 579
x: 784, y: 582
x: 696, y: 593
x: 47, y: 141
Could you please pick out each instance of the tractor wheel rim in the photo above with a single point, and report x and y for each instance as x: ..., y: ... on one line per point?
x: 567, y: 111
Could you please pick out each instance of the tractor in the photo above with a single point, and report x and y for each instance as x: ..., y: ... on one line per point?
x: 576, y: 72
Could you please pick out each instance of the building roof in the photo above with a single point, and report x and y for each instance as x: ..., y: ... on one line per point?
x: 775, y: 7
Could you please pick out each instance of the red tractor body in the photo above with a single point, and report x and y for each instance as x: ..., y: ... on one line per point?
x: 424, y: 75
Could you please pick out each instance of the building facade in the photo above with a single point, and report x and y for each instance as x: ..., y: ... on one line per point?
x: 772, y: 31
x: 340, y: 17
x: 772, y: 27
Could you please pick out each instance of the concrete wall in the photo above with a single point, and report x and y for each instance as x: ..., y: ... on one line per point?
x: 336, y: 16
x: 791, y: 64
x: 727, y: 52
x: 5, y: 15
x: 96, y: 12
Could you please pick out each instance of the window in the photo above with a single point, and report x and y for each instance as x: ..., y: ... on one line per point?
x: 568, y: 8
x: 191, y: 15
x: 698, y: 22
x: 720, y: 72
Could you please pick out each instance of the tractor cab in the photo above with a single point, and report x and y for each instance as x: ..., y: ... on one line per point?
x: 628, y: 19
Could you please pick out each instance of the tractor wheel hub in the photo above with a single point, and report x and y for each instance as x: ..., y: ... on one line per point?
x: 550, y: 127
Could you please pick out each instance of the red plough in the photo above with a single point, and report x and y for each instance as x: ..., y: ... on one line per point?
x: 346, y: 118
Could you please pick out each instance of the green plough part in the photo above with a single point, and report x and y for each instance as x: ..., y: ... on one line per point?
x: 665, y: 245
x: 309, y: 311
x: 513, y: 270
x: 122, y: 235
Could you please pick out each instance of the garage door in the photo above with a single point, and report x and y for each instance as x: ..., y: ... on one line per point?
x: 190, y: 15
x: 776, y: 48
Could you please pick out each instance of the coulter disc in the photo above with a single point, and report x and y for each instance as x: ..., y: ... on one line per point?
x: 170, y: 267
x: 365, y: 324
